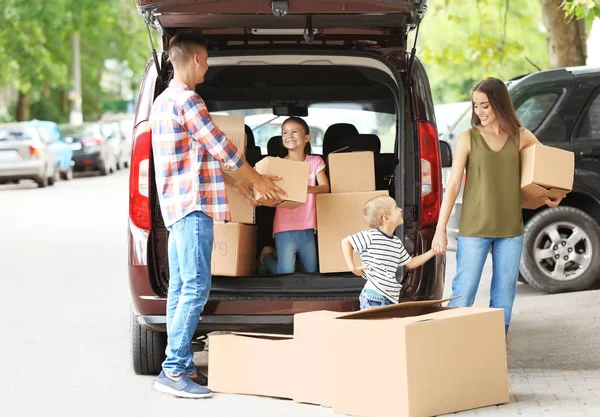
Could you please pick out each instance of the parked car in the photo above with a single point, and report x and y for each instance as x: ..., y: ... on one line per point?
x: 91, y: 151
x: 124, y: 133
x: 562, y: 109
x: 25, y: 155
x: 63, y: 152
x: 446, y: 116
x: 252, y: 69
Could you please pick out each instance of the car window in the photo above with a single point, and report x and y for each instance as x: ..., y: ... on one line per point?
x: 590, y: 124
x: 17, y: 133
x: 533, y: 110
x: 265, y: 124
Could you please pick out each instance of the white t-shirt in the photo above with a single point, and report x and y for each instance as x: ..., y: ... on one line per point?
x: 383, y: 255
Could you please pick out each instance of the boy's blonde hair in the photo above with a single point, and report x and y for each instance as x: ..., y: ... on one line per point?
x: 376, y: 208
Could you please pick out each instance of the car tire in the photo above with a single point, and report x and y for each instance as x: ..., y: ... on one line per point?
x: 569, y: 234
x: 104, y: 170
x: 67, y: 176
x: 42, y: 182
x: 148, y: 349
x: 55, y: 177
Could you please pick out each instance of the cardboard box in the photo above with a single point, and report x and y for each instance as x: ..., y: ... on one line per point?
x: 338, y: 216
x: 313, y: 333
x: 294, y: 179
x: 257, y: 364
x: 351, y: 172
x: 545, y: 172
x: 234, y: 249
x: 242, y: 210
x: 234, y: 129
x: 418, y: 360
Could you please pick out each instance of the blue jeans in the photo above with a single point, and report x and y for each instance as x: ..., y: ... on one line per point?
x: 288, y: 244
x: 470, y: 258
x: 190, y: 249
x: 370, y: 299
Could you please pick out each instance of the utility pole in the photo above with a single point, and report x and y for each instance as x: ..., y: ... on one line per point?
x: 76, y: 116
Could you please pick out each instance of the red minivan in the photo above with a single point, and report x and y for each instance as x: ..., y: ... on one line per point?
x: 326, y: 57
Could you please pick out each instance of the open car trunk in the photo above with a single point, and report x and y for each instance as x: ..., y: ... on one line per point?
x: 309, y: 52
x: 323, y: 83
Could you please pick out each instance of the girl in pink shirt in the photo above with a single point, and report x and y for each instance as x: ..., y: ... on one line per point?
x: 294, y: 229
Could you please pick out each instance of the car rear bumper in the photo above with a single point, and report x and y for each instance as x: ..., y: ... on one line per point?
x: 24, y: 169
x: 87, y: 160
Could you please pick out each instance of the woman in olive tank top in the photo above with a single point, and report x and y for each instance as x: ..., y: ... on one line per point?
x: 491, y: 209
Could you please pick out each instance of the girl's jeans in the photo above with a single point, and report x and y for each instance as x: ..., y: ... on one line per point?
x: 288, y: 244
x: 470, y: 258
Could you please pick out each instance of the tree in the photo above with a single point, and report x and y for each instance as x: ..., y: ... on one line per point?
x: 35, y: 50
x: 566, y: 37
x: 582, y: 9
x: 461, y: 43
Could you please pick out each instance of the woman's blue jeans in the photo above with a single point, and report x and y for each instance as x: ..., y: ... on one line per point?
x: 470, y: 259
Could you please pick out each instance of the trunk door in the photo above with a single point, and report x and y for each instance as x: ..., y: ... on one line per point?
x: 16, y: 142
x: 327, y: 19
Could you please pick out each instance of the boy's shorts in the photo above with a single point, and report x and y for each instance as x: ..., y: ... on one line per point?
x: 369, y: 299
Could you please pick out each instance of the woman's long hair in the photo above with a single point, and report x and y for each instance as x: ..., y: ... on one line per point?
x: 301, y: 122
x: 501, y: 103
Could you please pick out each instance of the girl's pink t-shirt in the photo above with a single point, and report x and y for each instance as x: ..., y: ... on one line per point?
x: 305, y: 216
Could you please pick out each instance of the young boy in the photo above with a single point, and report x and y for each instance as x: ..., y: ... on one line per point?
x: 381, y: 253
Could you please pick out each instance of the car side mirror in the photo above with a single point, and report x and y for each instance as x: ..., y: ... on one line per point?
x: 446, y: 154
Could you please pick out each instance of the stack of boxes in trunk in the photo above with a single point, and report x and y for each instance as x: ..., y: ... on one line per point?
x: 234, y: 247
x: 413, y: 359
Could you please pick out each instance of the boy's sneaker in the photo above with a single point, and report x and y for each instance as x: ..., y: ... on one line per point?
x: 266, y: 251
x: 184, y: 387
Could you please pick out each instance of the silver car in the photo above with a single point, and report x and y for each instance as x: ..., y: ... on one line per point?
x: 24, y: 155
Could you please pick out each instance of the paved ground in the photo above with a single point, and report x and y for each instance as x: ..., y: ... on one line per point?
x: 65, y: 347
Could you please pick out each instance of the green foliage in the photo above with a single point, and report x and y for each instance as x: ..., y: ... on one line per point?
x: 461, y: 42
x: 35, y: 47
x: 582, y: 9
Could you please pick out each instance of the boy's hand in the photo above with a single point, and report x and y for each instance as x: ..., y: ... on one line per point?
x: 358, y: 270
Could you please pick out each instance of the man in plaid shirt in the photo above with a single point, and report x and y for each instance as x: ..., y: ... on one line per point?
x: 188, y: 151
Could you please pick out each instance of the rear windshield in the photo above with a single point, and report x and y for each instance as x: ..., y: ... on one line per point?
x: 17, y: 133
x: 265, y: 124
x: 80, y: 132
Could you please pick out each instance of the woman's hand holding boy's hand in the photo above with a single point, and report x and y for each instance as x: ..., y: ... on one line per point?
x: 440, y: 241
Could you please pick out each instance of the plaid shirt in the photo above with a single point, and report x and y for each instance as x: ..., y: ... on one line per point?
x: 188, y: 149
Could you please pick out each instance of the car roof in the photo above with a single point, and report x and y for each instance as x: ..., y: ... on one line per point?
x: 558, y: 74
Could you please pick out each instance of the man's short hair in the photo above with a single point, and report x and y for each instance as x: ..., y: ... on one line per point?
x: 182, y: 45
x: 376, y: 208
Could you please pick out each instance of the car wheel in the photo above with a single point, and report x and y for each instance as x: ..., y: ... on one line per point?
x: 54, y: 178
x: 559, y: 252
x: 41, y: 181
x: 104, y: 170
x: 67, y: 175
x: 148, y: 349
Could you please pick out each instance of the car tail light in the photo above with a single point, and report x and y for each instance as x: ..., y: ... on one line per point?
x: 91, y: 142
x: 139, y: 178
x: 34, y: 152
x: 431, y: 184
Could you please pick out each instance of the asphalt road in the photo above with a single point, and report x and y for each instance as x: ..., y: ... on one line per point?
x: 64, y: 305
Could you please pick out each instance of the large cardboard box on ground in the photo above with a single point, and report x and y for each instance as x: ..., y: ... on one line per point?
x: 351, y: 172
x: 234, y: 249
x: 338, y: 216
x: 313, y: 333
x: 242, y: 210
x: 545, y: 172
x: 255, y: 364
x: 417, y: 360
x: 233, y: 127
x: 294, y: 179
